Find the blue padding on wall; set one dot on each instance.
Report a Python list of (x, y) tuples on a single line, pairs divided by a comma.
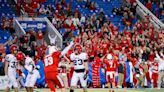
[(41, 80)]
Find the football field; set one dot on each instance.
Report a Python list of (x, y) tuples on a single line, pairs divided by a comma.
[(99, 90), (115, 90), (107, 90)]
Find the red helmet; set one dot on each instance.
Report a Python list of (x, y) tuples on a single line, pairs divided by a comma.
[(13, 47), (20, 56), (36, 57), (78, 48)]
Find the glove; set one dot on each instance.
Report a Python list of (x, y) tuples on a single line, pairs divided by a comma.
[(85, 75)]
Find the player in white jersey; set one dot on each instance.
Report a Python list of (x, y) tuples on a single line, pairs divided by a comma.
[(33, 74), (11, 64), (79, 62)]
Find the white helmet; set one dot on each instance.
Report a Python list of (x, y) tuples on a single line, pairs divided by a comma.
[(109, 56), (52, 49)]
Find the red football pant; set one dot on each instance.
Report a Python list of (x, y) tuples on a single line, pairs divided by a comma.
[(53, 79), (155, 79)]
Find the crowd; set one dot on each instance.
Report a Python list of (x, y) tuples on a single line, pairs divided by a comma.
[(99, 36), (156, 7), (32, 43), (128, 12), (142, 46)]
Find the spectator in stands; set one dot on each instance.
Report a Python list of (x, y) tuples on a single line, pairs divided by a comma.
[(42, 10), (68, 9), (149, 5), (75, 20), (82, 19), (24, 39), (97, 24), (40, 50), (54, 20), (162, 16), (2, 56), (133, 9), (68, 21), (93, 6), (58, 6), (63, 2), (88, 3), (28, 1), (40, 37), (7, 24), (77, 12), (50, 8), (32, 36), (132, 2), (161, 5), (48, 11), (2, 49), (23, 47), (101, 15)]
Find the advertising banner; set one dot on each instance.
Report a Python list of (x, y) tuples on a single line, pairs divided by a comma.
[(34, 25)]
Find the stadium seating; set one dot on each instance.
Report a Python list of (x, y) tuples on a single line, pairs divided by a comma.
[(6, 13), (6, 9), (4, 35), (107, 6)]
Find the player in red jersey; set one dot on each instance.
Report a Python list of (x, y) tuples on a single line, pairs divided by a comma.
[(111, 66), (51, 62), (155, 72)]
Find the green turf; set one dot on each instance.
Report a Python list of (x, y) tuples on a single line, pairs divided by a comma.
[(115, 90), (100, 90)]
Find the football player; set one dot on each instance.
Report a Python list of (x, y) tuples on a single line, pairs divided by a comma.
[(111, 66), (51, 62), (11, 64), (79, 62), (33, 73)]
